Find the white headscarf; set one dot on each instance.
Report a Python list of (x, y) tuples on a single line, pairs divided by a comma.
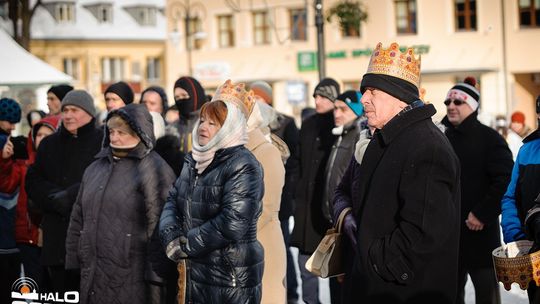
[(232, 133)]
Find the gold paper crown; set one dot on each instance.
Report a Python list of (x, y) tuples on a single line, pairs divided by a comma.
[(237, 94), (393, 62)]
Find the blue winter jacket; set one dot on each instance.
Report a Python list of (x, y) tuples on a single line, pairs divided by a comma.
[(523, 188)]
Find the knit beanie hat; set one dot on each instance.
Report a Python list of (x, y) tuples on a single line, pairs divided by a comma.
[(123, 90), (397, 87), (161, 92), (60, 90), (263, 90), (467, 92), (328, 88), (10, 110), (196, 99), (352, 99), (518, 117), (81, 99)]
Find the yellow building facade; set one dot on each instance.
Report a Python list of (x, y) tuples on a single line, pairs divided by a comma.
[(258, 40)]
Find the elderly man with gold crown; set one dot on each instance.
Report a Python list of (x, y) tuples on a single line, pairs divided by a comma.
[(405, 194)]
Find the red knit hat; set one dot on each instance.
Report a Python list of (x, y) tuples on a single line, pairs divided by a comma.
[(518, 117)]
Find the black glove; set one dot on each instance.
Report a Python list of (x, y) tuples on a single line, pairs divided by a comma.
[(61, 202)]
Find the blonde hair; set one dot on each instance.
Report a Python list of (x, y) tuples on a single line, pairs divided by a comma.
[(117, 122)]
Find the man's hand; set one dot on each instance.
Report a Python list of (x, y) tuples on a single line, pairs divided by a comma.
[(174, 251), (473, 223), (8, 150)]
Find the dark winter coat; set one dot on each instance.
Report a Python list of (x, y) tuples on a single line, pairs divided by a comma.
[(486, 165), (316, 140), (340, 157), (217, 211), (60, 163), (113, 220), (405, 197)]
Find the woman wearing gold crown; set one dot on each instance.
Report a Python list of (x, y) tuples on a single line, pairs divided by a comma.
[(209, 221), (405, 194)]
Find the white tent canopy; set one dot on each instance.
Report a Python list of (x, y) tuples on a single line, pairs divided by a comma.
[(19, 67)]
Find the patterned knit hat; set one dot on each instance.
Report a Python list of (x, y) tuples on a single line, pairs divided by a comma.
[(10, 110), (328, 88), (467, 92)]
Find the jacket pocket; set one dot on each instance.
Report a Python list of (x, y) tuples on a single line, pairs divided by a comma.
[(401, 271)]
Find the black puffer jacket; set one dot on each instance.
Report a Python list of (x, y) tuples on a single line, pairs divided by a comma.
[(217, 212), (114, 218)]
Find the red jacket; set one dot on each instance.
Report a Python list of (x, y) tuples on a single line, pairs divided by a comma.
[(12, 179)]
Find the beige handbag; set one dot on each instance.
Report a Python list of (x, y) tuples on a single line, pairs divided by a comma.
[(326, 261)]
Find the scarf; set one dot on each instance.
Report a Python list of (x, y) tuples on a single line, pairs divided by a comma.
[(232, 133)]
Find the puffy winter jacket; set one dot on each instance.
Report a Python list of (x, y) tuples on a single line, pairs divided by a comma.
[(217, 211), (114, 218)]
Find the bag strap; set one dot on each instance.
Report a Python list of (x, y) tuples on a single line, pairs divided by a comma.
[(342, 217)]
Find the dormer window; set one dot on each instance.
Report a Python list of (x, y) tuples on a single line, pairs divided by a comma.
[(102, 11), (64, 12), (144, 15)]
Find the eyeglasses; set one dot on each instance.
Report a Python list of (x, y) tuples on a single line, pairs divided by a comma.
[(457, 102)]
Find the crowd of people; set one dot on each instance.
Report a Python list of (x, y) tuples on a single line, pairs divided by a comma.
[(191, 202)]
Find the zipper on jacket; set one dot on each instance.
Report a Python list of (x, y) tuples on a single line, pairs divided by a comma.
[(233, 273)]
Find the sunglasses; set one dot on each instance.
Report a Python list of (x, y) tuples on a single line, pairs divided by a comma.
[(457, 102)]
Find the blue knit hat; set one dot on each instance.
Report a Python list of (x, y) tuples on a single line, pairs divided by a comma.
[(352, 99), (10, 110)]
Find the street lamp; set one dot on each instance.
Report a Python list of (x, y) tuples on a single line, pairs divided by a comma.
[(188, 12), (319, 22)]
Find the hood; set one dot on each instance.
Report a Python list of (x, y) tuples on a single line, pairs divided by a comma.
[(50, 121), (139, 120), (196, 92)]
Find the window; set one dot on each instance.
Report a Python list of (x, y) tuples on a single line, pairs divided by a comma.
[(298, 24), (226, 31), (104, 13), (261, 28), (195, 26), (71, 67), (406, 16), (529, 13), (144, 15), (465, 15), (112, 69), (153, 68), (147, 16), (64, 12), (4, 10)]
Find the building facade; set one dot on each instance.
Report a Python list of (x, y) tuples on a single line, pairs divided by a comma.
[(276, 41), (99, 42)]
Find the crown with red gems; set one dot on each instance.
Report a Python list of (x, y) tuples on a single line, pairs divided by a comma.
[(237, 94), (393, 62)]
